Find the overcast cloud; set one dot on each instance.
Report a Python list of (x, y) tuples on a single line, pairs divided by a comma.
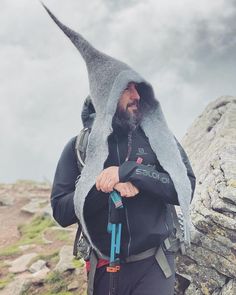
[(185, 48)]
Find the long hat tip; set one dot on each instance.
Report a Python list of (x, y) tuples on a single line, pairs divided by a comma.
[(49, 12), (85, 48), (43, 4)]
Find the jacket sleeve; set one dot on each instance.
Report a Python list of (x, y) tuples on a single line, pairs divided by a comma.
[(158, 183), (63, 188), (62, 195)]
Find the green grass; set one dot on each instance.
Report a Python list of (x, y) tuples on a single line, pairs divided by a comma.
[(32, 232), (54, 283), (43, 204), (5, 281), (61, 235), (78, 263), (57, 282), (48, 257), (53, 277), (10, 251)]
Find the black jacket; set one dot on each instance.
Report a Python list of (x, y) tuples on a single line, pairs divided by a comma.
[(143, 220)]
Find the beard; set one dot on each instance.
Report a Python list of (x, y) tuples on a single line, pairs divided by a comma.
[(125, 120)]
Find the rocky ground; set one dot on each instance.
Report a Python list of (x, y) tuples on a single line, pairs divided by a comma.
[(35, 252)]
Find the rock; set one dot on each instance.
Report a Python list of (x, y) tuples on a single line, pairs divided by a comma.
[(229, 288), (73, 286), (37, 266), (81, 272), (66, 257), (6, 200), (34, 206), (193, 290), (211, 146), (225, 265), (40, 275), (17, 287), (47, 210), (24, 280), (81, 277), (20, 264), (202, 276)]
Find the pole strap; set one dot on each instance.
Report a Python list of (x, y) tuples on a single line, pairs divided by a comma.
[(93, 265)]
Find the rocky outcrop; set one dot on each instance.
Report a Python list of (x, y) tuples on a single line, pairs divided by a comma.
[(210, 266)]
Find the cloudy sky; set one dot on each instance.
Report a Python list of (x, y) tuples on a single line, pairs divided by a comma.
[(185, 48)]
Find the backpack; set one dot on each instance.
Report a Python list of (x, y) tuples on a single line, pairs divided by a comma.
[(174, 220)]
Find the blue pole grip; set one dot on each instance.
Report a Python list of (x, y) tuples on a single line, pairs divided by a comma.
[(118, 238), (113, 240), (115, 228), (116, 198)]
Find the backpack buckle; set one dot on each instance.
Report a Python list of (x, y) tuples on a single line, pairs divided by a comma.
[(171, 244), (83, 249)]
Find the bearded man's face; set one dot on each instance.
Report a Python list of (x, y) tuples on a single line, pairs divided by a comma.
[(128, 114), (129, 99)]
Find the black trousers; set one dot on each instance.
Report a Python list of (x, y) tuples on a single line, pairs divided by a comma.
[(143, 277)]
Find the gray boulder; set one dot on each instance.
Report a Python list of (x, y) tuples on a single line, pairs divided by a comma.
[(37, 266), (210, 264), (21, 263), (66, 257), (34, 206)]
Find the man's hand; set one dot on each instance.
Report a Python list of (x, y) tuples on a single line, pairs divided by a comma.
[(107, 179), (126, 189)]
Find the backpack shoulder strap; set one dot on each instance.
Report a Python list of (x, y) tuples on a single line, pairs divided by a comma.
[(178, 224), (80, 149), (175, 224), (81, 146), (77, 237)]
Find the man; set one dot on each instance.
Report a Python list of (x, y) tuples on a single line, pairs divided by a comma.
[(127, 117), (130, 150)]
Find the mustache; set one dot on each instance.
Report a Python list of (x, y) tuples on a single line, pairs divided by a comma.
[(136, 103)]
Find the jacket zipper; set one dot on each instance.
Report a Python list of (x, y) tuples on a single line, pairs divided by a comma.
[(126, 211)]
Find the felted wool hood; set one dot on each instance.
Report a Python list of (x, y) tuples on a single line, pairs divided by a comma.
[(108, 77)]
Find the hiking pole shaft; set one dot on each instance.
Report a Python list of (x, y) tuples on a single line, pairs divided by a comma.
[(114, 228)]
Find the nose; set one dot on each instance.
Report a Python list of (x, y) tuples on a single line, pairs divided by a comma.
[(134, 93)]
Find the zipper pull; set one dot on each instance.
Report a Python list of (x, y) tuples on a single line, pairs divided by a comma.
[(129, 145)]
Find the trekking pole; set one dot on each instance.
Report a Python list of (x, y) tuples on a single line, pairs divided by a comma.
[(114, 228)]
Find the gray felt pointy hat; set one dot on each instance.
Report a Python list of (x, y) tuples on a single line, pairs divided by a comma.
[(108, 77)]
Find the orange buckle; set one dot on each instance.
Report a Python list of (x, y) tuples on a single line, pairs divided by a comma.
[(113, 268)]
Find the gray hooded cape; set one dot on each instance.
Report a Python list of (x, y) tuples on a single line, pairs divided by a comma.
[(108, 77)]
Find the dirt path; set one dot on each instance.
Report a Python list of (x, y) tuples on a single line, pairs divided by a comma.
[(11, 215)]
